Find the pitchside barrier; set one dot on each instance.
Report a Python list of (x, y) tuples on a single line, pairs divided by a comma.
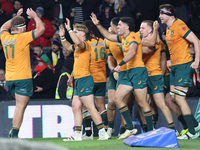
[(54, 118)]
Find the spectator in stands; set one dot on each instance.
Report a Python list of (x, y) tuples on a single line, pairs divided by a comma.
[(54, 55), (106, 13), (63, 90), (57, 9), (81, 10), (37, 50), (4, 91), (17, 5), (2, 58), (43, 79), (7, 6), (126, 9), (45, 39)]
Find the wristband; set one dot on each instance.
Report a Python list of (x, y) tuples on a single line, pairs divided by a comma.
[(63, 39), (113, 71), (121, 63), (69, 29)]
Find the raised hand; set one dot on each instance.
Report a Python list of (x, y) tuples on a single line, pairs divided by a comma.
[(156, 25), (67, 25), (94, 19), (31, 14), (19, 12), (61, 31)]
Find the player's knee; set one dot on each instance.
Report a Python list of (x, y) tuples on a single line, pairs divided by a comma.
[(111, 104), (75, 108)]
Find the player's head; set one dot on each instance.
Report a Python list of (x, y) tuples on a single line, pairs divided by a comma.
[(113, 24), (81, 31), (166, 11), (18, 23), (146, 27), (125, 24), (94, 32)]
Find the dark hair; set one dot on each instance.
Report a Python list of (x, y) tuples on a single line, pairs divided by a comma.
[(16, 22), (18, 1), (115, 20), (129, 21), (169, 7), (149, 23), (92, 29), (38, 46)]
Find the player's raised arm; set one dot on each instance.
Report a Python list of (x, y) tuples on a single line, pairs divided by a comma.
[(152, 41), (104, 32), (73, 36), (65, 43), (7, 24), (39, 24)]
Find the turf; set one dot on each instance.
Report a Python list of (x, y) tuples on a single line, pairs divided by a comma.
[(112, 144)]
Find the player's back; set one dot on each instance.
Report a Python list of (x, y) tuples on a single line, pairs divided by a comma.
[(17, 52), (98, 60)]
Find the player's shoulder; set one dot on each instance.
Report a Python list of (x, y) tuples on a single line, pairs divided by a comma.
[(134, 35), (179, 22)]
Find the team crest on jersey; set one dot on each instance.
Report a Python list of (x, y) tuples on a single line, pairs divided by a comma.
[(183, 28), (172, 32), (126, 42), (133, 37)]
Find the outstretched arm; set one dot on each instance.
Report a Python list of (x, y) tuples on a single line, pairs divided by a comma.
[(104, 32), (65, 43), (73, 36)]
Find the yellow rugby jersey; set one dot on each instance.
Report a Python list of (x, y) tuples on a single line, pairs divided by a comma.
[(152, 60), (132, 37), (17, 52), (115, 50), (81, 66), (177, 44), (98, 60)]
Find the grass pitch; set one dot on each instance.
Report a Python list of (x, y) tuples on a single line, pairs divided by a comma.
[(112, 144)]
